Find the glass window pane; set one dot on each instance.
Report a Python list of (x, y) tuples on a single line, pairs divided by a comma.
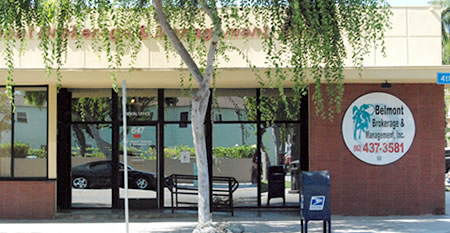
[(177, 105), (274, 108), (178, 141), (91, 105), (142, 105), (234, 147), (234, 105), (142, 172), (91, 165), (30, 132), (281, 150), (5, 134)]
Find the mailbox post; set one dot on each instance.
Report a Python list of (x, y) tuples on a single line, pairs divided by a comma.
[(315, 199)]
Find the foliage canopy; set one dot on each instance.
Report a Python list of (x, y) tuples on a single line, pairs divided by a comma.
[(300, 34)]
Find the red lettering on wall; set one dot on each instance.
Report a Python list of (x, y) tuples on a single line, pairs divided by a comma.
[(142, 32), (204, 34), (86, 33)]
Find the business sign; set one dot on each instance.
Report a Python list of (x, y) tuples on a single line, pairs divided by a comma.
[(137, 140), (443, 78), (378, 128)]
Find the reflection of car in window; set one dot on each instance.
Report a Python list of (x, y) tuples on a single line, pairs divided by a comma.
[(98, 175), (447, 179), (447, 159)]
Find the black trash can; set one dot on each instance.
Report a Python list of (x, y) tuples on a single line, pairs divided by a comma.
[(295, 173), (276, 183), (315, 203)]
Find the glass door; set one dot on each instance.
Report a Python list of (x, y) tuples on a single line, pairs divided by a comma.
[(91, 166), (142, 169), (280, 165)]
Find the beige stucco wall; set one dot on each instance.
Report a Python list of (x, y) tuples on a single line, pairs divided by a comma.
[(413, 43)]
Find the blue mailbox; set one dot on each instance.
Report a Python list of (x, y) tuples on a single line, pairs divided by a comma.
[(315, 201)]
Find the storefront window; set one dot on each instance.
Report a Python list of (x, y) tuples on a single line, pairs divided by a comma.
[(91, 165), (274, 108), (233, 105), (30, 149), (179, 158), (91, 105), (5, 134), (28, 157), (142, 105), (234, 142), (234, 155), (177, 106), (141, 159), (280, 153)]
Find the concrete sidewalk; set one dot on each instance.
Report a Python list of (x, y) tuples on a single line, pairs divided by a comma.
[(280, 221), (269, 222)]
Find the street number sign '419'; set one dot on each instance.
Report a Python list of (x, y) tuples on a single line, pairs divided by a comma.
[(443, 78)]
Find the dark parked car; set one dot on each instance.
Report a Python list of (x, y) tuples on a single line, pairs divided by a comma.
[(98, 175), (447, 160)]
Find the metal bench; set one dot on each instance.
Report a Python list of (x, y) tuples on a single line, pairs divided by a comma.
[(222, 191)]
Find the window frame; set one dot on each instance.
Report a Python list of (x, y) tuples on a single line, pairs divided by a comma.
[(184, 122), (23, 118)]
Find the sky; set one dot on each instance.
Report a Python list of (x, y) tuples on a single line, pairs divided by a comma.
[(408, 2)]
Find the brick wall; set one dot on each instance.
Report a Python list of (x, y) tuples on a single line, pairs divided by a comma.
[(411, 185), (27, 199)]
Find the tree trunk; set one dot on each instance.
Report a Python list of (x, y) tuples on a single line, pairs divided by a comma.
[(199, 107), (199, 99), (278, 144), (81, 140), (102, 145)]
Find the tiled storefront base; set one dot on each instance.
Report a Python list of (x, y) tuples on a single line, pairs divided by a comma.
[(27, 199)]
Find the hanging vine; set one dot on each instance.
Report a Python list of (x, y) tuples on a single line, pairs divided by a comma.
[(305, 41)]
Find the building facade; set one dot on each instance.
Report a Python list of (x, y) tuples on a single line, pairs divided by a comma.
[(396, 171)]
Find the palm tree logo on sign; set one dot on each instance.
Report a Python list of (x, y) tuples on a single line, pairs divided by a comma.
[(361, 119)]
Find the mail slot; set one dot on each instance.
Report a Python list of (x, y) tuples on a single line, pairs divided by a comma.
[(315, 199)]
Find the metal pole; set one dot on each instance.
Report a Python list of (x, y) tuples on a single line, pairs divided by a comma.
[(125, 161)]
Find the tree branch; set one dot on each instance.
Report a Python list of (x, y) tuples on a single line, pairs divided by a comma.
[(217, 24), (176, 43)]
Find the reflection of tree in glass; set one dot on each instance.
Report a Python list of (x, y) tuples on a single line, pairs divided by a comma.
[(36, 98), (5, 113), (98, 109), (274, 108), (91, 110), (140, 105)]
